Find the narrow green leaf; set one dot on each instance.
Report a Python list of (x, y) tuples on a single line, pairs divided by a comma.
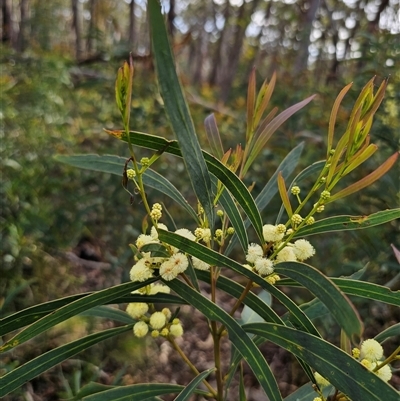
[(328, 293), (115, 165), (231, 181), (89, 389), (242, 387), (72, 309), (213, 136), (392, 331), (135, 392), (307, 393), (342, 223), (343, 371), (17, 377), (191, 387), (367, 180), (240, 340), (178, 111), (358, 288), (235, 218), (298, 318), (27, 316), (107, 312)]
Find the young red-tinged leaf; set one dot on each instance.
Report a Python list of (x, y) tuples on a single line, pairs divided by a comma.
[(263, 98), (213, 136), (284, 195), (271, 128), (332, 119), (366, 181), (251, 98)]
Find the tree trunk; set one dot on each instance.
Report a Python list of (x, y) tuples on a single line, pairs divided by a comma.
[(216, 61), (235, 50), (22, 40), (171, 18), (306, 26), (77, 25), (91, 40), (132, 26), (7, 31)]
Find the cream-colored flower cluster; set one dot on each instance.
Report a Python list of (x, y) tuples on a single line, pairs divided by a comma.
[(170, 266), (370, 354), (158, 322), (262, 261)]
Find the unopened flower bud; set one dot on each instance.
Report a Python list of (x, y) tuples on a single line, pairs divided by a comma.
[(310, 220), (296, 219), (295, 190), (131, 174), (230, 231), (325, 195)]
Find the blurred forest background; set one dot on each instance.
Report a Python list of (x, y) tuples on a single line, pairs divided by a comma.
[(65, 230)]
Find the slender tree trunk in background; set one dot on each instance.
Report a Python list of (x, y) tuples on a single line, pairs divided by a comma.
[(306, 26), (216, 61), (91, 40), (235, 50), (22, 40), (373, 27), (171, 18), (131, 33), (7, 31), (77, 25), (260, 54)]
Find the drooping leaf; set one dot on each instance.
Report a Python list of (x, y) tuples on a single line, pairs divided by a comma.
[(358, 288), (27, 316), (342, 223), (284, 195), (392, 331), (178, 112), (17, 377), (342, 370), (72, 309), (115, 164), (328, 293)]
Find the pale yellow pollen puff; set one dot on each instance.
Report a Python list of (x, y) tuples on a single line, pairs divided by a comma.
[(157, 320), (140, 329), (144, 239), (385, 373), (199, 264), (137, 309), (254, 251), (176, 330), (264, 266), (286, 255), (371, 350), (303, 249), (140, 271), (167, 312)]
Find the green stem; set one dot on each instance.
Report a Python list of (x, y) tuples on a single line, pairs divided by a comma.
[(193, 368)]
